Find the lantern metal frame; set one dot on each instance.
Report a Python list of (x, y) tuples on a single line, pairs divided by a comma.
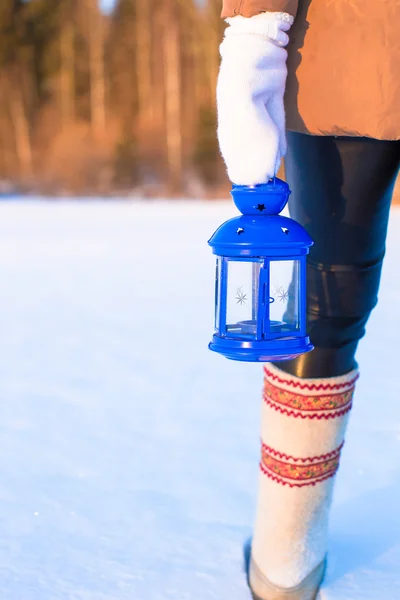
[(255, 236)]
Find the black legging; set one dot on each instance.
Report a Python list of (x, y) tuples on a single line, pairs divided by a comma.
[(341, 193)]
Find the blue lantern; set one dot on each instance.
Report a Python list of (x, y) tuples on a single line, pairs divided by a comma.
[(260, 286)]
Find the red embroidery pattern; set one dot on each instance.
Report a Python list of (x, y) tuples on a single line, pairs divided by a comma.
[(298, 415), (311, 386), (320, 406), (310, 459), (289, 483), (299, 471)]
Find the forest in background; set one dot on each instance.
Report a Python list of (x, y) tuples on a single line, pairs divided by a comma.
[(118, 103)]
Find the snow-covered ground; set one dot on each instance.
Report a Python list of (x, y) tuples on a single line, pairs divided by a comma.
[(129, 452)]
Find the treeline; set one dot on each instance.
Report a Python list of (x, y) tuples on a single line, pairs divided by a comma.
[(94, 103)]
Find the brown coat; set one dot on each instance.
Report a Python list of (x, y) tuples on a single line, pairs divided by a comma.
[(343, 64)]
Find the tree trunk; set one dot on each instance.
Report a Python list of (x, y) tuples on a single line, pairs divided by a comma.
[(143, 36), (173, 97), (19, 118), (67, 73), (96, 69), (215, 32)]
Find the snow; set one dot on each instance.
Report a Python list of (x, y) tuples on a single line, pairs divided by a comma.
[(129, 452)]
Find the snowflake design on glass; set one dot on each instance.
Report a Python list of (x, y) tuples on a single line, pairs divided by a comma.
[(281, 293), (241, 297)]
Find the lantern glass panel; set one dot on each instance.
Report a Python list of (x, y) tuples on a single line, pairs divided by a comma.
[(284, 304), (242, 297)]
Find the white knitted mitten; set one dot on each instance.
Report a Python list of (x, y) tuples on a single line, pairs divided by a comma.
[(250, 90), (303, 427)]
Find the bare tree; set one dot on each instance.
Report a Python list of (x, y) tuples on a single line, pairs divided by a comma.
[(67, 62), (172, 84), (15, 61), (144, 38), (20, 122), (213, 29), (95, 37)]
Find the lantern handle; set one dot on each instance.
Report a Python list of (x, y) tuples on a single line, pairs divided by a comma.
[(261, 199)]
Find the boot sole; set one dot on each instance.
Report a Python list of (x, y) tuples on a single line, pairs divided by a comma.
[(306, 590)]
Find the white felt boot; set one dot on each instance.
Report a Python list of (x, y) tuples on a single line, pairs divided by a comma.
[(303, 427)]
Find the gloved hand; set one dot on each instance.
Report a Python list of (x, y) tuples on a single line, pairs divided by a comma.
[(250, 90)]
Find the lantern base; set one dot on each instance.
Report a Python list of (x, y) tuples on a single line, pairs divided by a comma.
[(261, 351)]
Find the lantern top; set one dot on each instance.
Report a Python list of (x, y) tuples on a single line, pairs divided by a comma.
[(251, 236), (261, 199), (260, 230)]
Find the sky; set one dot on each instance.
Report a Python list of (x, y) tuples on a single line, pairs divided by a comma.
[(107, 5)]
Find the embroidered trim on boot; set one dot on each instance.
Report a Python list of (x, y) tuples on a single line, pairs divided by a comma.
[(294, 398), (298, 472)]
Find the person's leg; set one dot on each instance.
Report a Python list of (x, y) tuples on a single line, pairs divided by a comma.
[(341, 192)]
